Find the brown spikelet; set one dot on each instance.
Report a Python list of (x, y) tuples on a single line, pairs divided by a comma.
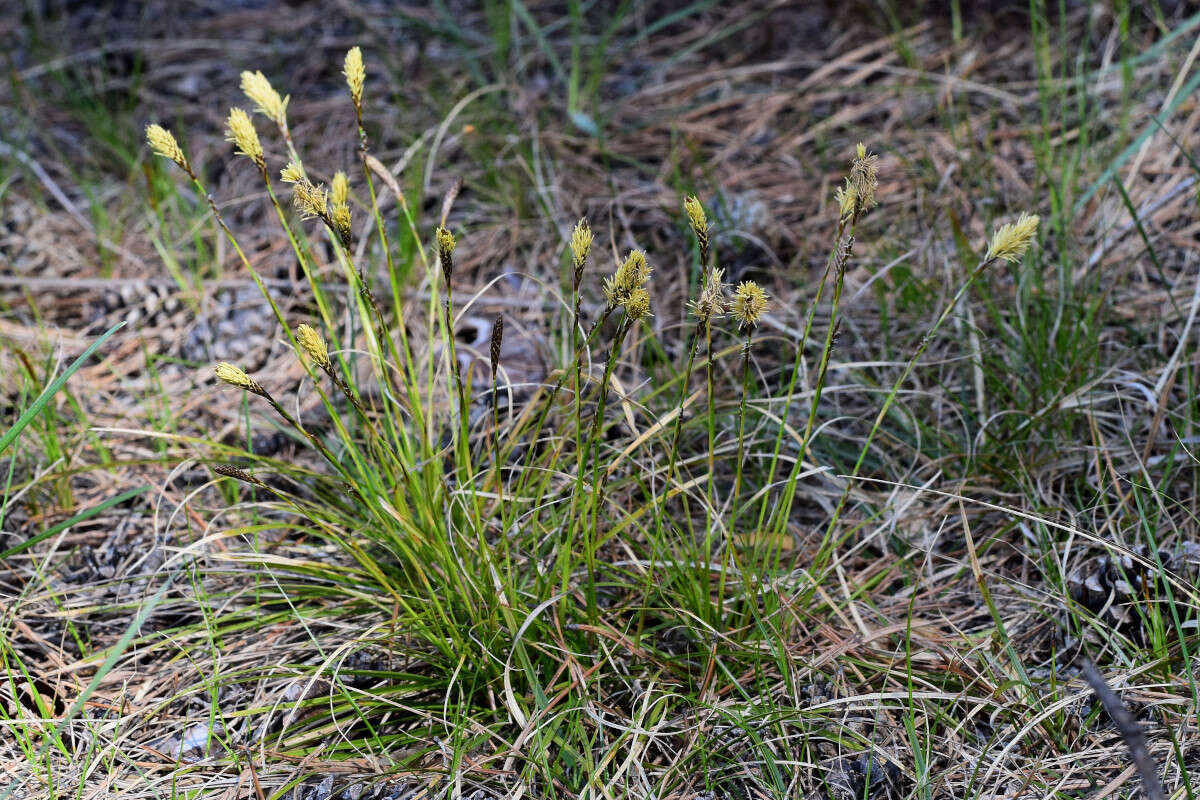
[(497, 338), (451, 196), (239, 474)]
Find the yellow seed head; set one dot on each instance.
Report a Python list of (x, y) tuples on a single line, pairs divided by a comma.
[(355, 74), (697, 219), (749, 303), (864, 178), (1011, 240), (341, 220), (313, 344), (445, 242), (266, 100), (291, 173), (711, 302), (164, 144), (241, 133), (638, 304), (339, 188), (311, 201), (581, 243), (235, 377), (845, 197), (632, 274)]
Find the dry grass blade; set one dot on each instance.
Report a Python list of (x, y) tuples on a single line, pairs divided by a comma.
[(1131, 732)]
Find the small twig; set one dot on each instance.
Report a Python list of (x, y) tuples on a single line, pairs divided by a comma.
[(1131, 732)]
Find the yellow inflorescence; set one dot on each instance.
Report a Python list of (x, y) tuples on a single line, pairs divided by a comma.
[(234, 376), (163, 143), (266, 100), (632, 274), (1011, 241), (311, 200), (356, 74), (697, 218), (581, 243), (313, 344), (241, 133), (749, 303), (339, 188), (638, 304), (291, 173), (711, 302)]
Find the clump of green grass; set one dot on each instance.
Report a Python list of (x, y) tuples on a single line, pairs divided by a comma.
[(527, 573)]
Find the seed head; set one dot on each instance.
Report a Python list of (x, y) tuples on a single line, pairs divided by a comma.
[(355, 74), (864, 178), (497, 339), (314, 345), (446, 245), (698, 221), (638, 304), (310, 200), (581, 244), (339, 188), (632, 274), (235, 377), (241, 133), (846, 198), (238, 474), (291, 173), (1011, 240), (341, 221), (711, 302), (164, 144), (266, 100), (749, 303)]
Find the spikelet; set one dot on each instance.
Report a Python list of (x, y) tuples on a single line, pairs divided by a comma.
[(710, 304), (291, 173), (339, 188), (445, 246), (241, 133), (266, 100), (864, 178), (314, 345), (163, 143), (239, 474), (846, 198), (581, 245), (341, 221), (1011, 240), (356, 75), (699, 222), (497, 340), (638, 304), (749, 303), (234, 376), (632, 274), (310, 200)]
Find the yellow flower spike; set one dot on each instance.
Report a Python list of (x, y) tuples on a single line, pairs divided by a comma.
[(314, 345), (339, 188), (446, 245), (234, 376), (341, 220), (266, 100), (698, 220), (291, 173), (311, 201), (749, 303), (163, 143), (581, 243), (864, 178), (711, 302), (845, 197), (1010, 241), (632, 274), (241, 133), (356, 74), (638, 304)]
